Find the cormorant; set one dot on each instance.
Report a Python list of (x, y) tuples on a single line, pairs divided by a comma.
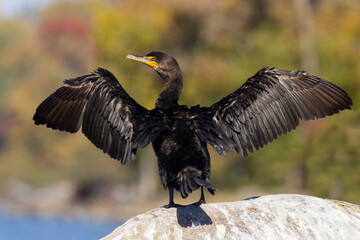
[(269, 104)]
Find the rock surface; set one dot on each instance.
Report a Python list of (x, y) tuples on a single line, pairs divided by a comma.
[(284, 216)]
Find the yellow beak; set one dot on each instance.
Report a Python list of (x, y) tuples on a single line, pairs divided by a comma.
[(147, 60)]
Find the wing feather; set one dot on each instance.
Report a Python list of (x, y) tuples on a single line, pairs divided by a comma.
[(110, 118), (269, 104)]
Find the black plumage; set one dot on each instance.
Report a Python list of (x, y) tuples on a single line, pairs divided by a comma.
[(269, 104)]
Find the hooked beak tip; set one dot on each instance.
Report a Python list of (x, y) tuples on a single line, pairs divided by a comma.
[(129, 56)]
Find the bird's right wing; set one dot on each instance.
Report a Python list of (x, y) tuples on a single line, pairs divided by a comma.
[(268, 105), (110, 118)]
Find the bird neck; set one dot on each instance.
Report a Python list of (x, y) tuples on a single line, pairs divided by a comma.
[(171, 92)]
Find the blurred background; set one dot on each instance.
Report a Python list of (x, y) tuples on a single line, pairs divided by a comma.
[(218, 44)]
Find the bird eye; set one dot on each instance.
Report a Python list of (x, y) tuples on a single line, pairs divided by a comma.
[(153, 59)]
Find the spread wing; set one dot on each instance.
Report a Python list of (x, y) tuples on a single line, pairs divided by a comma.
[(268, 105), (110, 118)]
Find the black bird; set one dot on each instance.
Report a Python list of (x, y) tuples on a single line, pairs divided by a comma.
[(269, 104)]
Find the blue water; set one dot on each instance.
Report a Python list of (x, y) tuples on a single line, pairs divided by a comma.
[(31, 227)]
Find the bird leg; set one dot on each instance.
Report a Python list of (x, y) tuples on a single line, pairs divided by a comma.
[(202, 198), (171, 199)]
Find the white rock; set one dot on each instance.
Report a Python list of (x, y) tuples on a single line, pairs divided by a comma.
[(284, 216)]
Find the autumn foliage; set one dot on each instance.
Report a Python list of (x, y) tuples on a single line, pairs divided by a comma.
[(218, 44)]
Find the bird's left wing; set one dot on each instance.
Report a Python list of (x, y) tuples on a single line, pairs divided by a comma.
[(268, 105), (110, 118)]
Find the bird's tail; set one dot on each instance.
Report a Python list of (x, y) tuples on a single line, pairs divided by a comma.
[(190, 179)]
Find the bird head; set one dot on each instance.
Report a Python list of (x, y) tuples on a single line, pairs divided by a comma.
[(161, 62)]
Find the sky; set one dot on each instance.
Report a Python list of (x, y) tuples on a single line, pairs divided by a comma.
[(12, 8)]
